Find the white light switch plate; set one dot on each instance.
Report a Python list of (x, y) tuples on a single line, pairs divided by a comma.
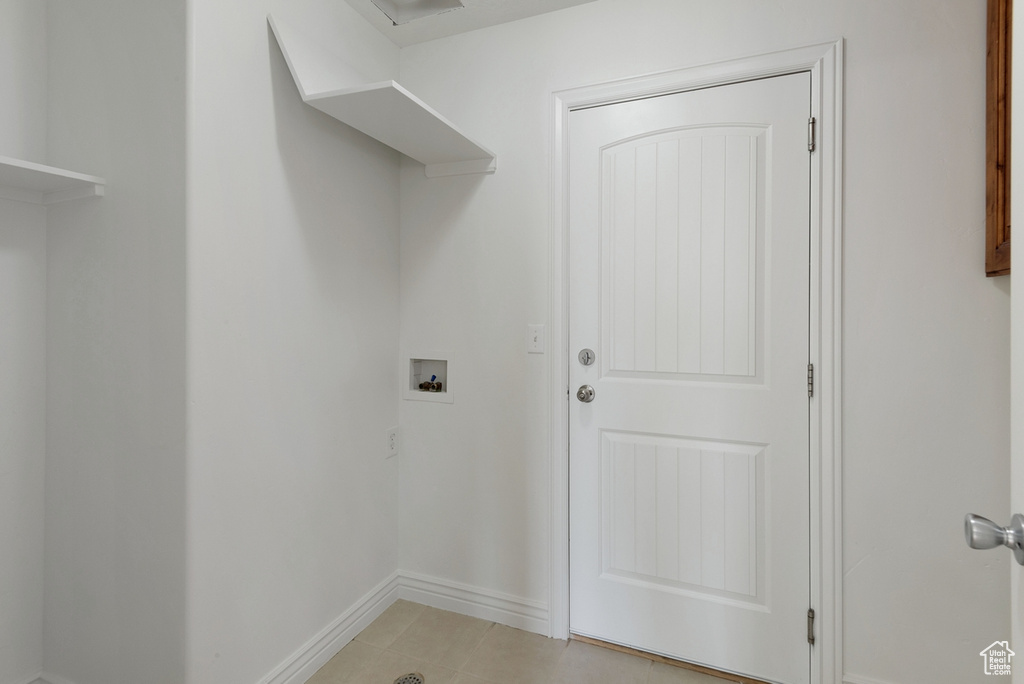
[(536, 339)]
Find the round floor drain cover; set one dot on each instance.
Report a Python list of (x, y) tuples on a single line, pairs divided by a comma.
[(414, 678)]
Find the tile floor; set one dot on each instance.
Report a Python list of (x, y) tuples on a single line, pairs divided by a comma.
[(448, 648)]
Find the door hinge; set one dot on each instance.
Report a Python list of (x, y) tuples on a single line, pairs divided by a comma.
[(810, 134), (810, 380), (810, 626)]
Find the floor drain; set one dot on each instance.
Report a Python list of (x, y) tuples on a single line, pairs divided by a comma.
[(414, 678)]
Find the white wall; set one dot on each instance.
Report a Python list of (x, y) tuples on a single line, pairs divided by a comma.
[(926, 347), (115, 475), (292, 335), (22, 339), (22, 436), (252, 308), (23, 76), (1016, 481)]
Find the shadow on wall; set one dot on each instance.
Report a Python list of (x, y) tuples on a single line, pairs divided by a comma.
[(342, 187)]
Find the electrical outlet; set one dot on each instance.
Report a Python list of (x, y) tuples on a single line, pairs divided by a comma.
[(392, 441)]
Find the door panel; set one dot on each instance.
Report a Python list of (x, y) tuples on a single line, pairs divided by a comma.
[(681, 250), (681, 264), (689, 478), (683, 515)]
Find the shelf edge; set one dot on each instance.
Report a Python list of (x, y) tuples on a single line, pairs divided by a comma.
[(76, 193), (74, 185), (310, 58), (486, 163), (462, 168), (50, 170)]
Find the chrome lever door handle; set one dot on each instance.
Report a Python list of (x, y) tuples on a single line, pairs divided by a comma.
[(982, 533)]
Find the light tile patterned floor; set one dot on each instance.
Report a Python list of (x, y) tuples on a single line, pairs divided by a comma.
[(448, 648)]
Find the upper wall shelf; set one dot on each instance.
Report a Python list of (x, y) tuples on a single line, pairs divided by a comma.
[(385, 111), (25, 181)]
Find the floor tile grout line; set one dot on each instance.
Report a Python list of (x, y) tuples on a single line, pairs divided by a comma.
[(558, 663), (476, 648), (419, 614)]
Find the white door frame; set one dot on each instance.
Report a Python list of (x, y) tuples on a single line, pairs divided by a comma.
[(825, 64)]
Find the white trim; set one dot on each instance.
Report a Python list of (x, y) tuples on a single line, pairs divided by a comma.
[(825, 64), (311, 656), (495, 606), (490, 605)]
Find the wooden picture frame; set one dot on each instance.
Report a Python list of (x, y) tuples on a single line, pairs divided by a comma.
[(997, 148)]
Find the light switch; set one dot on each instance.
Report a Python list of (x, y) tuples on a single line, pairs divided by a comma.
[(536, 339)]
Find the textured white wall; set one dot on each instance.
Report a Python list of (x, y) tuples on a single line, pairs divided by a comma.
[(292, 337), (22, 436), (115, 475), (23, 341), (926, 394), (23, 77)]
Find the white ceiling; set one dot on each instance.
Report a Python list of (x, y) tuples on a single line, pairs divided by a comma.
[(476, 14)]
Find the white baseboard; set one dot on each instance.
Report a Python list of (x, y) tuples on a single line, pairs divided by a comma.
[(302, 664), (435, 592), (514, 611), (429, 591)]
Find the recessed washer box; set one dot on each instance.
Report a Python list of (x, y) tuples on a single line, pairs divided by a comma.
[(429, 368)]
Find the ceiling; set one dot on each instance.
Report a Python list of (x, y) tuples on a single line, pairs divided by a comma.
[(474, 15)]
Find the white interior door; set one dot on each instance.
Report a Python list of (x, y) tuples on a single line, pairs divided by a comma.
[(688, 253)]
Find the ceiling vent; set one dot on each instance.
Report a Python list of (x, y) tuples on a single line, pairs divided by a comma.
[(404, 11)]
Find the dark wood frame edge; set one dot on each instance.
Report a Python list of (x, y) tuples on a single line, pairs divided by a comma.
[(997, 147)]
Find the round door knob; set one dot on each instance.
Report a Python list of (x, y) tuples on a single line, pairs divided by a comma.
[(585, 394), (982, 533)]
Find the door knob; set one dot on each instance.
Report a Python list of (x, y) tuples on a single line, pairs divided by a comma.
[(982, 533), (585, 394)]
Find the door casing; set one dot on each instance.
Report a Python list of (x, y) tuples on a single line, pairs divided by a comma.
[(824, 62)]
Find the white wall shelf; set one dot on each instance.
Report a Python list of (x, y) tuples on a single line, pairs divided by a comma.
[(25, 181), (384, 111)]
